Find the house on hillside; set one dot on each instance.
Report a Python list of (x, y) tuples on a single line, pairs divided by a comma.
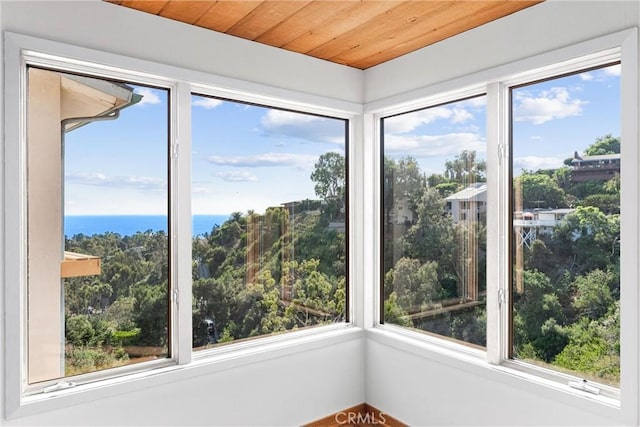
[(467, 205), (598, 168)]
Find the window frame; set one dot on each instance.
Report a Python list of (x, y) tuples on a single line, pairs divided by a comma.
[(496, 83), (21, 51)]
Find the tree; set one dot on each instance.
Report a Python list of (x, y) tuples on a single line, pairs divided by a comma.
[(465, 168), (539, 190), (604, 145), (593, 297), (329, 176), (415, 285)]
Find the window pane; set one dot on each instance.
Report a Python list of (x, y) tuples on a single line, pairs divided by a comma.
[(97, 224), (269, 200), (566, 223), (434, 220)]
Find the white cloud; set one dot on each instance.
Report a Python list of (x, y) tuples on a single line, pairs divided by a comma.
[(585, 77), (207, 103), (149, 96), (459, 113), (102, 180), (434, 145), (237, 176), (278, 118), (533, 163), (199, 190), (407, 122), (613, 71), (289, 124), (536, 137), (555, 103), (266, 160)]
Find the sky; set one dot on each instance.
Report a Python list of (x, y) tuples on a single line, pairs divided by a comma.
[(247, 157), (244, 157), (551, 120)]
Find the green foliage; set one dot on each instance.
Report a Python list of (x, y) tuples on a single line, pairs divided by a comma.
[(393, 313), (329, 176), (465, 168), (593, 294), (539, 191), (604, 145)]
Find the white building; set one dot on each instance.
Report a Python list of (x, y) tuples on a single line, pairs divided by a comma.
[(467, 205)]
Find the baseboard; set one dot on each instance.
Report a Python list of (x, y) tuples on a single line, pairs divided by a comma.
[(358, 416)]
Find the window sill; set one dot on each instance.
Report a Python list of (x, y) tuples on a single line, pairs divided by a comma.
[(210, 361), (458, 356)]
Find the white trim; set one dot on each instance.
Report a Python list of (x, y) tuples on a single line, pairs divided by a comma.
[(181, 232), (496, 83), (629, 226), (20, 50)]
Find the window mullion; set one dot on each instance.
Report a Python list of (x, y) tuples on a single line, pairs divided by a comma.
[(497, 219), (181, 221)]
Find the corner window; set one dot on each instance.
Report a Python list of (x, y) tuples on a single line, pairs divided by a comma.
[(566, 152), (434, 252), (269, 201), (97, 224)]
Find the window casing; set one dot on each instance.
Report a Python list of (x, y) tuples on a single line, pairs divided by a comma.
[(497, 83), (22, 397)]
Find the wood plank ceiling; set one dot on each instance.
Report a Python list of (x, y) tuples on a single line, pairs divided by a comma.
[(357, 33)]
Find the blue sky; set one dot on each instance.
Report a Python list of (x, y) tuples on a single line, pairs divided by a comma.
[(249, 158), (551, 120), (244, 158)]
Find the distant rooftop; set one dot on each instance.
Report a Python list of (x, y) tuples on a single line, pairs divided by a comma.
[(469, 193)]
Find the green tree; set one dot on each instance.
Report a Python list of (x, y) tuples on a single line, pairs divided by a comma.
[(465, 168), (329, 176), (604, 145), (539, 191), (593, 294)]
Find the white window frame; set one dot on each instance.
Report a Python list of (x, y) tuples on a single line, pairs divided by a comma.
[(622, 403), (21, 51)]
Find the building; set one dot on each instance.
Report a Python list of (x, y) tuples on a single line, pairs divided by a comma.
[(298, 381), (467, 205), (529, 224), (594, 168)]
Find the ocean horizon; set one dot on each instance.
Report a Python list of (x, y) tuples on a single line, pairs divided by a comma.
[(128, 225)]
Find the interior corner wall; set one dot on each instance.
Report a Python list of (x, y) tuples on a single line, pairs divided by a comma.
[(416, 388)]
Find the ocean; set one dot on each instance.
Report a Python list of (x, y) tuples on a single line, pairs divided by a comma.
[(127, 225)]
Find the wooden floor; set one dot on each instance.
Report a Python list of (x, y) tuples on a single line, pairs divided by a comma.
[(362, 415)]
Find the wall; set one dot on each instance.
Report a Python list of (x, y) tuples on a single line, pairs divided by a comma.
[(418, 387), (289, 387)]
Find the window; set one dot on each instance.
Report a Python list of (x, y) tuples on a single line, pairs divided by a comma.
[(118, 266), (269, 224), (556, 264), (434, 263), (98, 224), (566, 265)]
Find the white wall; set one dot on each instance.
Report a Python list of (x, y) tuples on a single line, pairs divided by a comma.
[(284, 391), (423, 390), (418, 387)]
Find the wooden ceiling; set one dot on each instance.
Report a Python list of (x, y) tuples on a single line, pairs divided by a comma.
[(357, 33)]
